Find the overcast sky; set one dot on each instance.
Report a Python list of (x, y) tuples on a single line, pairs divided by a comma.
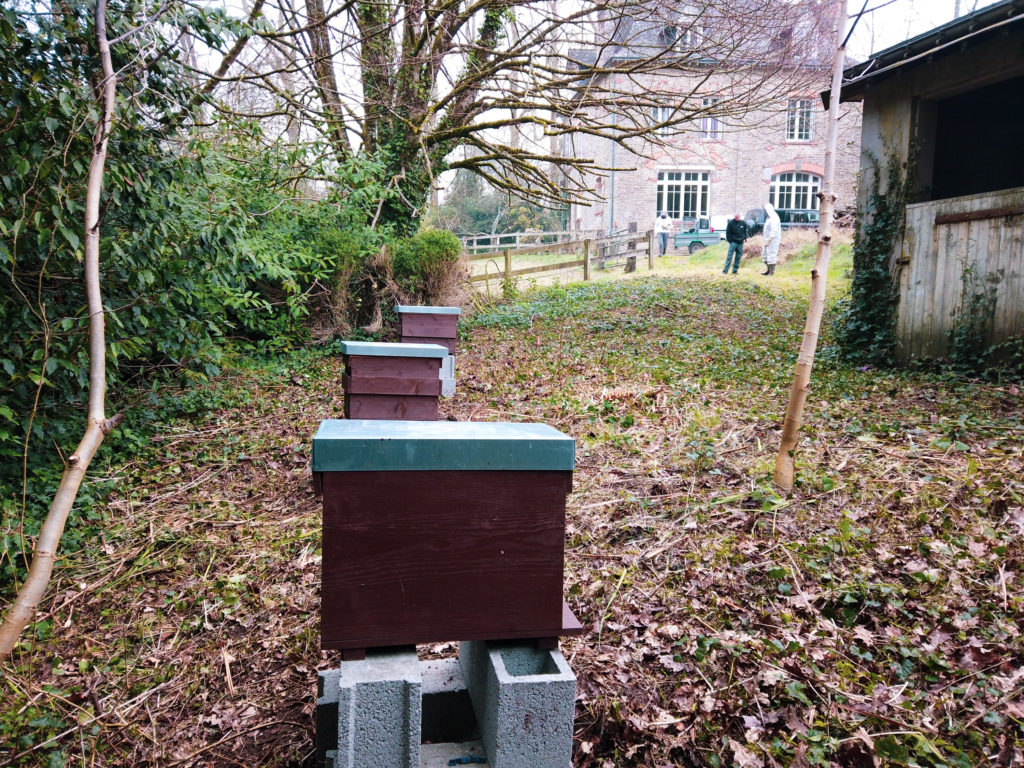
[(901, 20)]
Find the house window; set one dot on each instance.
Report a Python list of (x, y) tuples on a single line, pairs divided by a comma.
[(659, 116), (798, 120), (710, 127), (683, 194), (794, 190), (671, 35)]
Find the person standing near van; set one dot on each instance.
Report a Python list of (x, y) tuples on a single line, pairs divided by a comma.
[(662, 226), (772, 239), (735, 233)]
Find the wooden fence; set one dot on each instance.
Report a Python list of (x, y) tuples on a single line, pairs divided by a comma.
[(957, 248), (484, 243), (588, 254)]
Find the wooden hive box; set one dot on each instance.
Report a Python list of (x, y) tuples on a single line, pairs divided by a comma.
[(439, 530), (429, 325), (392, 381)]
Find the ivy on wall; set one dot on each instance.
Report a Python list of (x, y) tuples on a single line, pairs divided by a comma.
[(972, 324), (866, 324)]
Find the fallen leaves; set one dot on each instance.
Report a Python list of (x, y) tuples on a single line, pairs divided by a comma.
[(872, 617)]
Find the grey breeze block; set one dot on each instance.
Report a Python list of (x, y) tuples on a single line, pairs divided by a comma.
[(524, 699), (447, 375), (448, 725), (377, 706)]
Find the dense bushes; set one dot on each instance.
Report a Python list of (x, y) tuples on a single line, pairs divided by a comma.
[(162, 236), (210, 241), (426, 264)]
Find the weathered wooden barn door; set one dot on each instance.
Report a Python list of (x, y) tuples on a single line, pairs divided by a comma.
[(960, 253)]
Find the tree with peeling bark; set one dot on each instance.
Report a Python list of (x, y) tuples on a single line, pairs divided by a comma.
[(504, 87), (59, 76), (98, 425), (785, 466)]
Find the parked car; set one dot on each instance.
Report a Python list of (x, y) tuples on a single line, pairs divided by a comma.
[(697, 233), (791, 218)]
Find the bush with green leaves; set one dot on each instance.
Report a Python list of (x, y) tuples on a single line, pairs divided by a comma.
[(301, 250), (426, 264), (207, 240), (162, 235)]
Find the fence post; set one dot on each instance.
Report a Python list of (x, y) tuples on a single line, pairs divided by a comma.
[(650, 248), (586, 261), (508, 265)]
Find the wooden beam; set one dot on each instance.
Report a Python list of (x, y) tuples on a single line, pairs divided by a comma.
[(990, 213)]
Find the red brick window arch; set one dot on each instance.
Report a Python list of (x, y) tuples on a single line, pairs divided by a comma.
[(794, 190)]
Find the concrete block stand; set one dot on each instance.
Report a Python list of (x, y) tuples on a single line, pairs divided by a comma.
[(506, 701), (524, 700), (376, 707), (448, 376)]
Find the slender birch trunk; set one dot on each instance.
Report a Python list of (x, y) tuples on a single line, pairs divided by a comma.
[(784, 462), (98, 426)]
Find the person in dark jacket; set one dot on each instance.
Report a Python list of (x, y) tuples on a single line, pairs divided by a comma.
[(735, 233)]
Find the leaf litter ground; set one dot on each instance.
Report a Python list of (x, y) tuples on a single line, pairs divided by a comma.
[(872, 617)]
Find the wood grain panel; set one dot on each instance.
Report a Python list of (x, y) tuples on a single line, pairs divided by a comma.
[(391, 385), (982, 232), (416, 557), (405, 367), (437, 326), (391, 407)]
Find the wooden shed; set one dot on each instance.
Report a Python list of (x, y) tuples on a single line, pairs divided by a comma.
[(947, 106)]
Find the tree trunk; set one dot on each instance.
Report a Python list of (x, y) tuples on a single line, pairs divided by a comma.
[(98, 426), (323, 73), (784, 462)]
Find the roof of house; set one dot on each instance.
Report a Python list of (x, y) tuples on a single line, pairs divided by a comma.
[(678, 32), (967, 30)]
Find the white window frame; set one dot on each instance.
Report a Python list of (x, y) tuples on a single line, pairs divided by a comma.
[(710, 125), (788, 189), (799, 119), (683, 194), (661, 115)]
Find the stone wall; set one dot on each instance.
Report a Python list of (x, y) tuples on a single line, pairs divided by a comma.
[(752, 148)]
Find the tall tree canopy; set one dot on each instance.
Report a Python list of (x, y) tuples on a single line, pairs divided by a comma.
[(500, 86)]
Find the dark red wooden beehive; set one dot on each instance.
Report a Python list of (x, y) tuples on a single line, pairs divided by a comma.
[(436, 531), (392, 381), (429, 325)]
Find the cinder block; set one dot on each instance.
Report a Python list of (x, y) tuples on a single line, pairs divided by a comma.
[(524, 700), (377, 706), (448, 376), (447, 711), (326, 716), (438, 755)]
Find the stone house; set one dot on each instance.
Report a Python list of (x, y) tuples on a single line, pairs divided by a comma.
[(945, 107), (729, 159)]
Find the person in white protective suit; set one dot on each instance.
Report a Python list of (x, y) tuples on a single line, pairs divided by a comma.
[(772, 237), (662, 227)]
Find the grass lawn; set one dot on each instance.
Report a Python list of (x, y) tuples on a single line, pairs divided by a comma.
[(874, 613)]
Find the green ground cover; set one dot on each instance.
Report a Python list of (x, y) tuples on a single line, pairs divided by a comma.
[(872, 615)]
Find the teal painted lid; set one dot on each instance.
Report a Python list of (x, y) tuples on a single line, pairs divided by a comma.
[(383, 349), (370, 445), (408, 309)]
